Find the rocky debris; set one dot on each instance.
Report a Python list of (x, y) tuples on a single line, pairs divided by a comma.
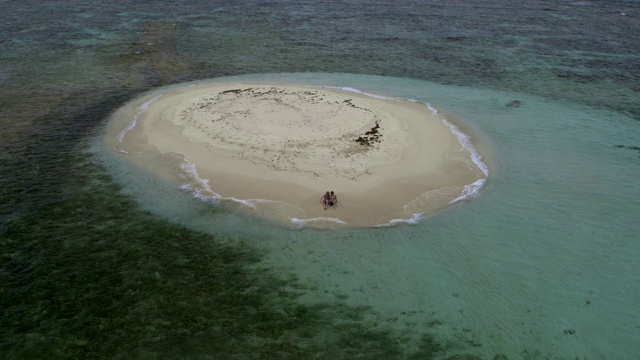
[(370, 137), (350, 103), (233, 91)]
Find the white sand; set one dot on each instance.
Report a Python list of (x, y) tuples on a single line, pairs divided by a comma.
[(385, 159)]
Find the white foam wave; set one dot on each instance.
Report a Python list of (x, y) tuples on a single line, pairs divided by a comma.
[(201, 190), (415, 218), (469, 190), (196, 185), (375, 96), (139, 110), (247, 203), (302, 222)]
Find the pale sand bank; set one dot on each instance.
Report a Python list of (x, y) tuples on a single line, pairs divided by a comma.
[(386, 159)]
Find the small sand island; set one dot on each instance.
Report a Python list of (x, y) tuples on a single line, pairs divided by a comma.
[(273, 151)]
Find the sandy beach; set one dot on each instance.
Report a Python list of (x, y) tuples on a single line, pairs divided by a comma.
[(273, 151)]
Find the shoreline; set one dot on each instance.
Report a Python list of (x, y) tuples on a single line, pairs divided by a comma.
[(273, 150)]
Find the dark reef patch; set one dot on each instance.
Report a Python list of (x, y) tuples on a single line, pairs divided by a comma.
[(88, 274), (628, 147), (514, 103)]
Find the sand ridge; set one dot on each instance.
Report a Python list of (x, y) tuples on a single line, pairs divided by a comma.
[(289, 144)]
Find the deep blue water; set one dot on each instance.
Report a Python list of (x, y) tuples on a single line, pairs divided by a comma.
[(100, 260)]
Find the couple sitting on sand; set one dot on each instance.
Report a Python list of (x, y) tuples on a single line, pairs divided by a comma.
[(329, 199)]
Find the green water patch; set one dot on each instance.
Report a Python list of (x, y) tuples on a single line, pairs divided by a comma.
[(90, 275), (38, 158)]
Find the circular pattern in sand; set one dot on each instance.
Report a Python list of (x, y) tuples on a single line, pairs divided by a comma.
[(281, 127)]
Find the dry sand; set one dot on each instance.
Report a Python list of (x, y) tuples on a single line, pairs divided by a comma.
[(279, 148)]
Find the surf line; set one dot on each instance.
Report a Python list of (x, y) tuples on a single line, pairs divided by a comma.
[(465, 141), (139, 111)]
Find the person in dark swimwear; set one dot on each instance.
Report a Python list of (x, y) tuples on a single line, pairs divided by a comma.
[(334, 199)]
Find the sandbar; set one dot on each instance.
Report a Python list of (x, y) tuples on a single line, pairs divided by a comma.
[(273, 150)]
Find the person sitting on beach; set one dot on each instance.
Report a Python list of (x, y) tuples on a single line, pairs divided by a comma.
[(334, 199), (326, 199)]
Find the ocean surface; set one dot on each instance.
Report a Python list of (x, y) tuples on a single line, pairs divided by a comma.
[(101, 260)]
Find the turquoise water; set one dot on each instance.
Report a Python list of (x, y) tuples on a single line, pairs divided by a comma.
[(100, 260)]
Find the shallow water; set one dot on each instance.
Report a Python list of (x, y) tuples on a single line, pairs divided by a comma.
[(100, 260)]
